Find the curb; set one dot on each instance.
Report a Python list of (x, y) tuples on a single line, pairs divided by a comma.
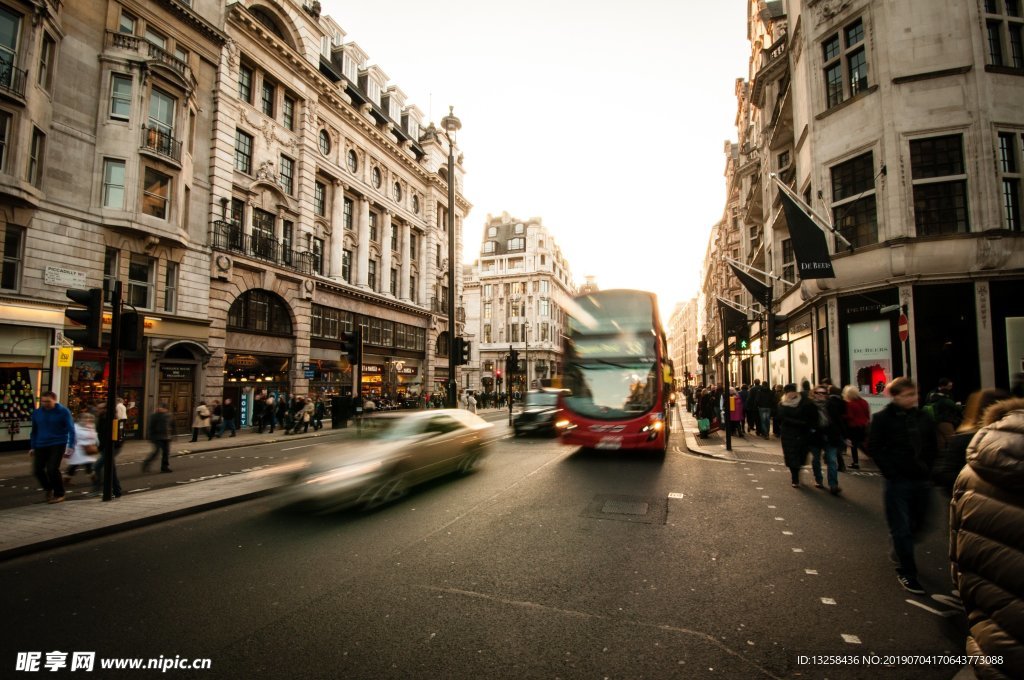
[(118, 527)]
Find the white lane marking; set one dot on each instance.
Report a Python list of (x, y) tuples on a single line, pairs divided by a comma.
[(754, 480), (787, 533), (772, 507), (811, 572), (305, 446), (851, 639), (675, 495), (135, 490), (948, 600), (765, 496), (798, 550), (827, 600), (944, 614), (780, 519), (760, 488)]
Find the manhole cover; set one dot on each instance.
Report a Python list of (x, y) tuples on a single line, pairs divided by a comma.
[(625, 507), (622, 508)]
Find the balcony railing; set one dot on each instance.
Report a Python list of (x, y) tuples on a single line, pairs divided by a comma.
[(147, 50), (12, 79), (232, 238), (155, 139), (438, 306)]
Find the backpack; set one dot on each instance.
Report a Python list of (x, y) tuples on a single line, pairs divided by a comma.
[(929, 409)]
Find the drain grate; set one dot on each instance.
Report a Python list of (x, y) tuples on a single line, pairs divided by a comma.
[(621, 508)]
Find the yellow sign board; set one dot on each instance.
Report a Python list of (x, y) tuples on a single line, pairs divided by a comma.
[(65, 355)]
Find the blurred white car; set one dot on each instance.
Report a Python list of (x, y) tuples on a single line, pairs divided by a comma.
[(400, 452)]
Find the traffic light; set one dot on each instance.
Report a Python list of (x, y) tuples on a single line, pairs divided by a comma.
[(513, 361), (702, 352), (352, 346), (91, 317), (776, 327), (497, 376), (465, 351), (133, 331)]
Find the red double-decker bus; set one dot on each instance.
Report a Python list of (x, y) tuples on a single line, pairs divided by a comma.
[(617, 373)]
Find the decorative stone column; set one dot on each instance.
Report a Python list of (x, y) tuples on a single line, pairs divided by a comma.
[(337, 230), (385, 258), (363, 249), (406, 271)]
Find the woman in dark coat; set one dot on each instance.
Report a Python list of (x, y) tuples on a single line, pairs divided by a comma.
[(953, 457), (986, 542), (796, 418)]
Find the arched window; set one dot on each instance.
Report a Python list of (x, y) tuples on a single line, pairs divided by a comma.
[(441, 349), (260, 311), (269, 22)]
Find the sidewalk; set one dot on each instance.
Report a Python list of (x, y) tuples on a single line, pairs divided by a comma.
[(750, 448)]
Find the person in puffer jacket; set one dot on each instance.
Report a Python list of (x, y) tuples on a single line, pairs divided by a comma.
[(986, 543)]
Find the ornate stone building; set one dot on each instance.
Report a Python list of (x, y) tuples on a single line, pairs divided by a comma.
[(902, 125), (515, 300), (328, 212), (105, 127)]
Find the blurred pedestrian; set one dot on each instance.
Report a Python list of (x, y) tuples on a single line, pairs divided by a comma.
[(471, 403), (944, 410), (104, 432), (52, 437), (86, 447), (318, 414), (903, 444), (281, 412), (160, 429), (216, 420), (121, 412), (750, 408), (735, 409), (953, 457), (857, 417), (229, 415), (796, 418), (308, 409), (764, 403), (826, 437), (986, 543), (200, 421)]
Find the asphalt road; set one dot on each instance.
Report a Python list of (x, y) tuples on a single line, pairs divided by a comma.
[(546, 562)]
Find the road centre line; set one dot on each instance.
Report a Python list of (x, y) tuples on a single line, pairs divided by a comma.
[(304, 446)]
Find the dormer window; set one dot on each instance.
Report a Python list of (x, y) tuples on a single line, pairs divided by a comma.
[(492, 232), (519, 228), (518, 243), (489, 246), (412, 127), (350, 68), (373, 91)]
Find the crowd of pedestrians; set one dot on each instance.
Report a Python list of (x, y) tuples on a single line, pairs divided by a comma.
[(974, 454)]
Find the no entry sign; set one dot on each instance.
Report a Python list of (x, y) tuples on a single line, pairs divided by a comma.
[(904, 328)]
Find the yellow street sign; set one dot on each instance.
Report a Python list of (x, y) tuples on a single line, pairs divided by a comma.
[(65, 355)]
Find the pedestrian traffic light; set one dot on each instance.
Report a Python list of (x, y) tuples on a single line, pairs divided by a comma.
[(702, 352), (465, 351), (133, 331), (91, 317), (352, 346)]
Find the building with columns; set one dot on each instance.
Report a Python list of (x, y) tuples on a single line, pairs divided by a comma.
[(682, 342), (328, 213), (514, 300), (901, 123)]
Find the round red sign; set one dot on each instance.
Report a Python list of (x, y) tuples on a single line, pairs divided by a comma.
[(904, 328)]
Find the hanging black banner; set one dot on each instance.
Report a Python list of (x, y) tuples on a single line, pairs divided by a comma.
[(809, 246), (760, 291), (733, 320)]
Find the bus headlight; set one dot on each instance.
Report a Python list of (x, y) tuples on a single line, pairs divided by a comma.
[(564, 424), (657, 423)]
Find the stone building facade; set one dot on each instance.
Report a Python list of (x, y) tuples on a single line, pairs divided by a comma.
[(255, 185), (515, 299), (105, 176), (329, 212), (901, 125)]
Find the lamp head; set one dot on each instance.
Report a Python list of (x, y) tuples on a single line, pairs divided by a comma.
[(451, 123)]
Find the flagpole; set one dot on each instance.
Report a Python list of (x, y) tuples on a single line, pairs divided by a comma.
[(810, 211), (760, 271)]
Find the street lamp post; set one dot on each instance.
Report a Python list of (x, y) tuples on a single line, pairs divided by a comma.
[(526, 339), (451, 125)]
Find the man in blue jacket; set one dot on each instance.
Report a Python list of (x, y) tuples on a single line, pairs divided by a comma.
[(53, 436)]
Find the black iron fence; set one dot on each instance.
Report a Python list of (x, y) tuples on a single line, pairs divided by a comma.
[(231, 237), (12, 79), (155, 139)]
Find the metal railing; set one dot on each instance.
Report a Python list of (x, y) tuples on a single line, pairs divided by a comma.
[(12, 79), (438, 306), (231, 237), (148, 50), (155, 139)]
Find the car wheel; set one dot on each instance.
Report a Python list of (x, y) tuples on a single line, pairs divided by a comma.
[(468, 463), (385, 493)]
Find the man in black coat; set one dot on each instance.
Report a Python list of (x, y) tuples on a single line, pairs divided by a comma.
[(229, 414), (904, 445), (160, 430)]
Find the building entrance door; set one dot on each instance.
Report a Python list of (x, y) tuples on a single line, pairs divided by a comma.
[(177, 390)]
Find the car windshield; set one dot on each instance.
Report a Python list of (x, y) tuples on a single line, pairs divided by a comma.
[(541, 398), (609, 390), (393, 429)]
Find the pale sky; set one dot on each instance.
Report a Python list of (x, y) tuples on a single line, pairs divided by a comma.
[(604, 118)]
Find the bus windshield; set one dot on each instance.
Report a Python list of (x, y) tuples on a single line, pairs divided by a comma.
[(604, 389)]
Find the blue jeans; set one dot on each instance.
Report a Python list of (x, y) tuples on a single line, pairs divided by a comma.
[(906, 506), (765, 415), (831, 463)]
